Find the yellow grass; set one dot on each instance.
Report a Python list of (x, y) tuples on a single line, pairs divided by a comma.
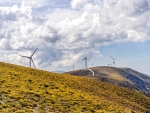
[(25, 90)]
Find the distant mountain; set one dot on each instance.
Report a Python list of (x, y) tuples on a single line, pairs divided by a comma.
[(59, 71), (124, 77)]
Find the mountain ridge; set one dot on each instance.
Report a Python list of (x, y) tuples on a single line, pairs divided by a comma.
[(124, 77)]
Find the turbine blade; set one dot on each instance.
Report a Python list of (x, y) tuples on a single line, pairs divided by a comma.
[(24, 56), (83, 59), (111, 57), (84, 54), (33, 62), (34, 52)]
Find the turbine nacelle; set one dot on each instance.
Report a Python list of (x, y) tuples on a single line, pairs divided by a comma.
[(84, 59)]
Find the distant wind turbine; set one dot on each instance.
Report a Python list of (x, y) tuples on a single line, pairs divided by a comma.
[(85, 59), (110, 64), (113, 61), (73, 67), (30, 58)]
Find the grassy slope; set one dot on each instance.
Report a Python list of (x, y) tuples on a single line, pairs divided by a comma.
[(25, 90)]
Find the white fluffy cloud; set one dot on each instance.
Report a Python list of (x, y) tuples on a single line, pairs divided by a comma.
[(76, 4), (62, 34)]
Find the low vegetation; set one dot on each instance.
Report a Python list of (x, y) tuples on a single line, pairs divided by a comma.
[(25, 90)]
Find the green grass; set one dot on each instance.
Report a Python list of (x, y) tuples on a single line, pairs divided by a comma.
[(25, 90)]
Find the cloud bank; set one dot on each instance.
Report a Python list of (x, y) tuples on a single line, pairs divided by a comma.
[(65, 34)]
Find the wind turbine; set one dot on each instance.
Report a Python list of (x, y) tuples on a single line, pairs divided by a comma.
[(85, 59), (92, 64), (113, 61), (110, 64), (73, 67), (30, 58)]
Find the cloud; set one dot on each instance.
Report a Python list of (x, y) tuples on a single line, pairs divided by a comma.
[(76, 4), (4, 43), (62, 34)]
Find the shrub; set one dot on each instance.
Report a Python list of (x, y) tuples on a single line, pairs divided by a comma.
[(45, 85)]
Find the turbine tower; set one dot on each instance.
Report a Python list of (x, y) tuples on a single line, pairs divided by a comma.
[(73, 67), (30, 58), (113, 61)]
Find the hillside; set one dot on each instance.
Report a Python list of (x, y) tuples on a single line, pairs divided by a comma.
[(124, 77), (26, 90)]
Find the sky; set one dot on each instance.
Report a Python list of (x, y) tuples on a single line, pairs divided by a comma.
[(65, 31)]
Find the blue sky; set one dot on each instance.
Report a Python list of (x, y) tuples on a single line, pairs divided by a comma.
[(135, 55), (65, 30)]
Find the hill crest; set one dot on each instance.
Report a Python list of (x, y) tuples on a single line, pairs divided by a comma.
[(124, 77)]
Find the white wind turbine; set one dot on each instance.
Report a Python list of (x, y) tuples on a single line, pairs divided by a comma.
[(73, 67), (113, 61), (85, 59), (30, 58)]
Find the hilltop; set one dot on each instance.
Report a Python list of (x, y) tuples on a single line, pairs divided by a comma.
[(124, 77), (27, 90)]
